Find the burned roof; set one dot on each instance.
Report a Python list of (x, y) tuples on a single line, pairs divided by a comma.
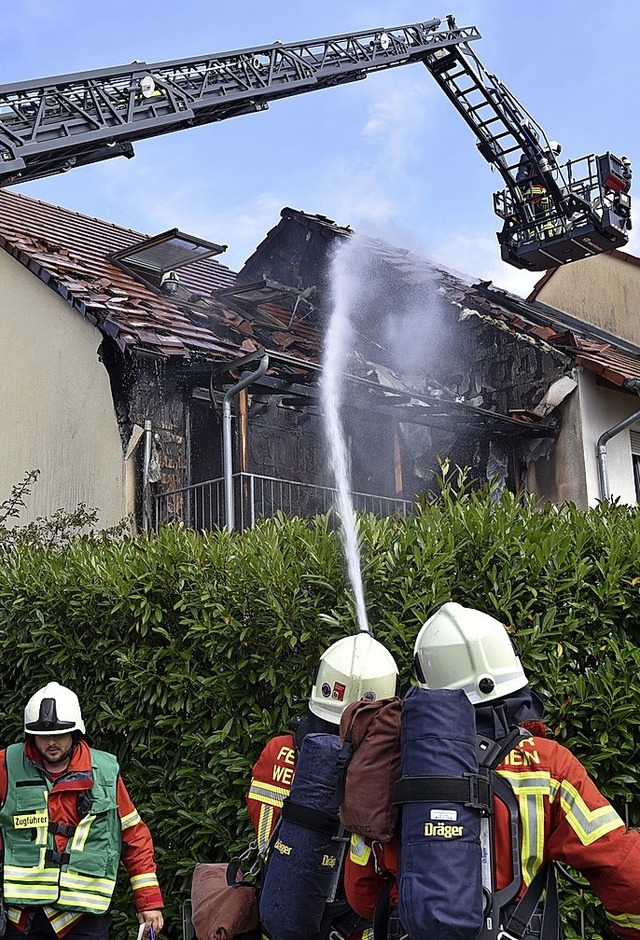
[(585, 345), (76, 256), (215, 316), (609, 357)]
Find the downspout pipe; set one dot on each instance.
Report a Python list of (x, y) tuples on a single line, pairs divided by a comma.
[(146, 499), (601, 445), (227, 450)]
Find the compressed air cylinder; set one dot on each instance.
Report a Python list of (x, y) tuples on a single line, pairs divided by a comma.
[(440, 876), (304, 859)]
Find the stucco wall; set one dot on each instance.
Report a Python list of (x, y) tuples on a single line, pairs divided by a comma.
[(570, 474), (56, 411), (560, 477), (603, 291), (603, 408)]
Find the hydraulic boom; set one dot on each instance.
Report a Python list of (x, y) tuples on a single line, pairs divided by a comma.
[(554, 215)]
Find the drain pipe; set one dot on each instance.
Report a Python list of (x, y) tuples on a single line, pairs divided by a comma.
[(146, 522), (601, 446), (227, 450)]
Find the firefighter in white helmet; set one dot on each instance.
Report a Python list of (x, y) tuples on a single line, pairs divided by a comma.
[(531, 180), (354, 667), (461, 648), (567, 818), (65, 819)]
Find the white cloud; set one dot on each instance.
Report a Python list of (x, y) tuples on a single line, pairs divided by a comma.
[(242, 227), (478, 256), (396, 122)]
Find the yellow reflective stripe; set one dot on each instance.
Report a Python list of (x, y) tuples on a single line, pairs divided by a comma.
[(14, 914), (43, 875), (268, 793), (367, 933), (60, 919), (144, 881), (532, 820), (359, 851), (265, 821), (534, 781), (81, 833), (90, 903), (630, 921), (530, 789), (71, 879), (131, 819), (84, 892), (37, 892), (42, 834), (588, 824)]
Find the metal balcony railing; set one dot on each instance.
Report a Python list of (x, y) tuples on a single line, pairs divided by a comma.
[(202, 505)]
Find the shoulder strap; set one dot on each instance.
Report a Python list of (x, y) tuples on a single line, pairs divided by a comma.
[(309, 817), (16, 766), (544, 881), (106, 764), (491, 753), (381, 913)]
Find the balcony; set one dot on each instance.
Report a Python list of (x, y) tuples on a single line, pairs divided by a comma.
[(202, 506)]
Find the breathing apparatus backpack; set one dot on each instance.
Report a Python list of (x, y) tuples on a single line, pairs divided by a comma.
[(304, 864), (446, 876), (440, 857)]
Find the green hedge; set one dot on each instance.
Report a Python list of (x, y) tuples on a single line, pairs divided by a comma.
[(189, 651)]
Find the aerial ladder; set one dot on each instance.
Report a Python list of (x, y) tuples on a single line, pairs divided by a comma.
[(552, 213)]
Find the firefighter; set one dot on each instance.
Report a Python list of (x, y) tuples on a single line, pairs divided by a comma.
[(534, 191), (564, 816), (65, 819), (352, 668)]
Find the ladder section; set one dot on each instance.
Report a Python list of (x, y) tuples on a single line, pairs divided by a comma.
[(506, 133), (49, 125)]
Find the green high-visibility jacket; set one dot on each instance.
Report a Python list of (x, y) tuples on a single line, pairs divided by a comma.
[(82, 878)]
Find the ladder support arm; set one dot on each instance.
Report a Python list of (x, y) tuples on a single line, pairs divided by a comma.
[(50, 124)]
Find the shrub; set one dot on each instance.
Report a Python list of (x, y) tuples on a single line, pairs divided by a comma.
[(190, 650)]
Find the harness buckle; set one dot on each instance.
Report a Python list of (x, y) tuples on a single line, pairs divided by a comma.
[(58, 858), (334, 934), (480, 793)]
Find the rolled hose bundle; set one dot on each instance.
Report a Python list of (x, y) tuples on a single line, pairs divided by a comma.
[(440, 875), (304, 857)]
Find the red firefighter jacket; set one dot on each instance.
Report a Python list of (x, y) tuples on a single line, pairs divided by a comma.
[(137, 845), (564, 817), (270, 783)]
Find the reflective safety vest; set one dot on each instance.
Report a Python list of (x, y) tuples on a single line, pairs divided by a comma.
[(81, 878)]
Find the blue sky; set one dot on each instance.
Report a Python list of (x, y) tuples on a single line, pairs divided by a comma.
[(387, 155)]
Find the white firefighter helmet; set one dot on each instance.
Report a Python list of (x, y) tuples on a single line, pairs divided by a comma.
[(352, 668), (555, 148), (462, 648), (53, 709)]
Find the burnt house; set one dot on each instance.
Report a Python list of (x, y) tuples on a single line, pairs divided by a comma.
[(125, 358), (522, 390)]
